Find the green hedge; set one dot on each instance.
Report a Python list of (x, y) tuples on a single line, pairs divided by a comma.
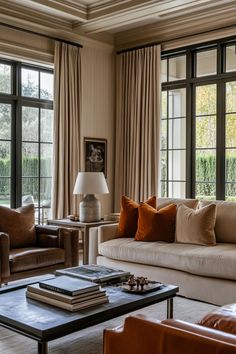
[(30, 168)]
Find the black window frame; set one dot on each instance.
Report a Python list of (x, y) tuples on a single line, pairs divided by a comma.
[(190, 83), (18, 101)]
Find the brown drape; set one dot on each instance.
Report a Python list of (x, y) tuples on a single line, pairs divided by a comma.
[(137, 124), (67, 102)]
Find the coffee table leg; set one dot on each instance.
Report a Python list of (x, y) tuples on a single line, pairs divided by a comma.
[(170, 303), (42, 347)]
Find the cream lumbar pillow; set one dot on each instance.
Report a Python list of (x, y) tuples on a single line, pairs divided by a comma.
[(196, 226)]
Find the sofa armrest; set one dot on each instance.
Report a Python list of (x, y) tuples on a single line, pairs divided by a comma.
[(146, 336), (107, 232), (4, 257)]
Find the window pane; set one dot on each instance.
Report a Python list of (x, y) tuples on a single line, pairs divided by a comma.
[(164, 70), (46, 125), (206, 63), (206, 165), (230, 165), (5, 159), (177, 189), (205, 191), (45, 192), (163, 189), (177, 165), (46, 86), (206, 100), (164, 104), (230, 58), (177, 103), (29, 159), (177, 68), (5, 121), (230, 192), (206, 132), (230, 130), (30, 125), (5, 191), (163, 134), (46, 160), (231, 96), (163, 165), (177, 133), (5, 78), (30, 188), (29, 83)]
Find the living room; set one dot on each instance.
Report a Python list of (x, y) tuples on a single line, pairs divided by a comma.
[(148, 85)]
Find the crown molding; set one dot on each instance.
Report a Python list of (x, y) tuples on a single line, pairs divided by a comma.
[(174, 28)]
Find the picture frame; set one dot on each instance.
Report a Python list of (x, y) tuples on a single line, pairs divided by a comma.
[(95, 155)]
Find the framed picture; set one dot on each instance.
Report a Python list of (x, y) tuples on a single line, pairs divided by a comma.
[(95, 155)]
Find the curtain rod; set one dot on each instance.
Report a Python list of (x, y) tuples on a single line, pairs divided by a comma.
[(42, 35)]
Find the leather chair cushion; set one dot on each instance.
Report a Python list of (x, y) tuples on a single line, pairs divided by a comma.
[(19, 224), (223, 319), (32, 258)]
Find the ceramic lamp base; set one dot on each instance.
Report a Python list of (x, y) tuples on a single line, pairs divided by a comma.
[(90, 209)]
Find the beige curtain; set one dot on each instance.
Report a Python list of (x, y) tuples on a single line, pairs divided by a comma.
[(137, 124), (67, 102)]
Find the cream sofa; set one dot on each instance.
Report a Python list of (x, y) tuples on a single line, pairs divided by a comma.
[(206, 273)]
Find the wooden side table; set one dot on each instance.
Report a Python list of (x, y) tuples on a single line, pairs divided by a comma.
[(83, 227)]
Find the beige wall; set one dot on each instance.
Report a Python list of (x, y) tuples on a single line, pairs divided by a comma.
[(97, 87)]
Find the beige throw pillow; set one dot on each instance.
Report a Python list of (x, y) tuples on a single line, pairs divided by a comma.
[(196, 226)]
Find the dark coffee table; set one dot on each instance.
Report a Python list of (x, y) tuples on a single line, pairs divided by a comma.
[(44, 323)]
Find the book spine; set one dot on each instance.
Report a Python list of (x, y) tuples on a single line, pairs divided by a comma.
[(56, 289)]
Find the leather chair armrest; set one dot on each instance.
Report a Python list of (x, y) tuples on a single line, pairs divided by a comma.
[(69, 241), (4, 257), (107, 232)]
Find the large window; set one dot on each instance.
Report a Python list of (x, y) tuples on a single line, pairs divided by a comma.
[(26, 126), (198, 126)]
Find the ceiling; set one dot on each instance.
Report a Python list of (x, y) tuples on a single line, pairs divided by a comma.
[(117, 21)]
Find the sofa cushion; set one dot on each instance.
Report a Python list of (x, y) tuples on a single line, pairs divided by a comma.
[(225, 220), (128, 222), (218, 261), (31, 258), (156, 225), (196, 226), (223, 319), (19, 224), (162, 202)]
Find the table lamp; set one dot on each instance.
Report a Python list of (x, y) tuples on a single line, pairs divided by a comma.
[(90, 183)]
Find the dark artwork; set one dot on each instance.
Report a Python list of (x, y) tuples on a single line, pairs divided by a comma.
[(95, 155)]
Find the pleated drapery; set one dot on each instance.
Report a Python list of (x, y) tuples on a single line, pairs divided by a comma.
[(137, 124), (67, 104)]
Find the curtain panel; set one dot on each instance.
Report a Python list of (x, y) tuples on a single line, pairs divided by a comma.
[(137, 123), (67, 104)]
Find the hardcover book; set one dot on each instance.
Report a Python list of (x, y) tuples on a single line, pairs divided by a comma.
[(35, 288), (95, 273), (66, 306), (68, 285)]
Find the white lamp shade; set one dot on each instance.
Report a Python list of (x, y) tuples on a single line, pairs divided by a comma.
[(90, 183)]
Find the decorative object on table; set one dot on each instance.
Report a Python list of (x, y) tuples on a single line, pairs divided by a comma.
[(112, 217), (73, 217), (140, 285), (96, 273), (95, 155), (90, 183)]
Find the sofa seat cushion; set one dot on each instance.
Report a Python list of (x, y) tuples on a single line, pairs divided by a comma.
[(31, 258), (218, 261)]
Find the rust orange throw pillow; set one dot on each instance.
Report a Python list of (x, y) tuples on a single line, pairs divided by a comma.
[(129, 216), (156, 225)]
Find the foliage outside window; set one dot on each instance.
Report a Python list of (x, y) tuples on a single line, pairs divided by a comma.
[(207, 137), (26, 121)]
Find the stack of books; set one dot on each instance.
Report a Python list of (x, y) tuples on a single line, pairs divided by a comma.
[(67, 293)]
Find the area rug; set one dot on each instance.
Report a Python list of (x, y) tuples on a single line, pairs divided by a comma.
[(89, 341)]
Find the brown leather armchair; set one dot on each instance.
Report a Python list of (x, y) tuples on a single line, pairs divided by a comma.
[(28, 250), (142, 335)]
